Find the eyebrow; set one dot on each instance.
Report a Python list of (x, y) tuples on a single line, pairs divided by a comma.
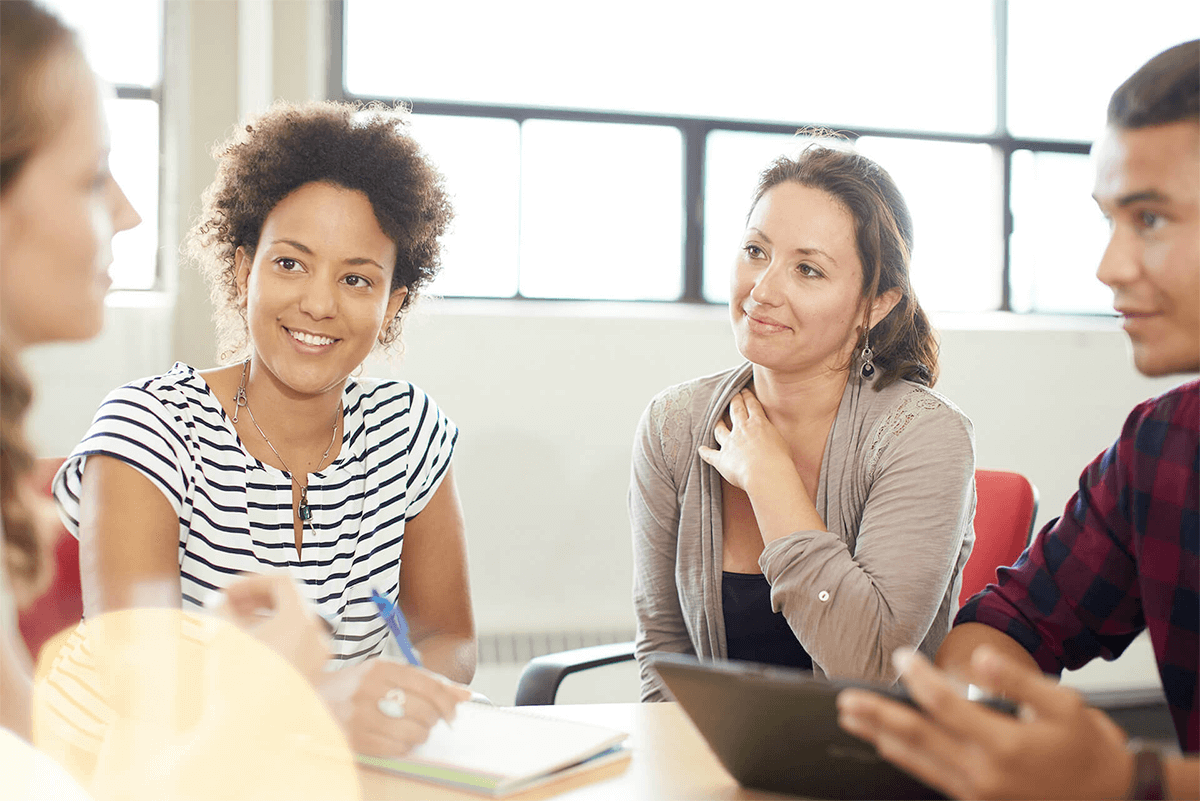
[(803, 251), (355, 261)]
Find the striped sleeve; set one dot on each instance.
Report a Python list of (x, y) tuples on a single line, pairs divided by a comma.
[(144, 431), (432, 444)]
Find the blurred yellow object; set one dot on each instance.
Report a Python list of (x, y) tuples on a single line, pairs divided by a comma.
[(165, 704)]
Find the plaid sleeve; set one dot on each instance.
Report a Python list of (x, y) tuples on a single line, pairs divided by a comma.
[(1074, 594)]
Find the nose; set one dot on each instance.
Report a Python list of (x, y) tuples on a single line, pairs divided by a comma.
[(319, 298), (766, 289), (1120, 262), (124, 215)]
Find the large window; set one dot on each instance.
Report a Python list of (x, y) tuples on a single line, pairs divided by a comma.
[(123, 43), (609, 150)]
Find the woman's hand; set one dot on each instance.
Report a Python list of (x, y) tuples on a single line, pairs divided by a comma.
[(274, 611), (1057, 746), (423, 698), (752, 453), (755, 458)]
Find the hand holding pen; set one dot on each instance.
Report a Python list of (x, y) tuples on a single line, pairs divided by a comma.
[(385, 706)]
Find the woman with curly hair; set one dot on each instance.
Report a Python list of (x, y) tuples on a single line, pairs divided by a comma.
[(319, 230)]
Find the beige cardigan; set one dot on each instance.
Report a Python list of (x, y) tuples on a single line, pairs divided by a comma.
[(896, 490)]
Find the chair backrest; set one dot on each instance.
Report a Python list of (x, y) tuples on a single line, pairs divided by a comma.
[(1005, 508), (61, 605)]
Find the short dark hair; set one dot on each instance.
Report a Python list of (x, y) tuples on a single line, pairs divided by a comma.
[(1165, 89), (903, 342), (363, 148)]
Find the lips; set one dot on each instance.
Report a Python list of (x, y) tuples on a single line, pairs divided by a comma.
[(764, 323), (310, 339)]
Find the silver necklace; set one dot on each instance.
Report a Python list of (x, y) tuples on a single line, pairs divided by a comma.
[(240, 401)]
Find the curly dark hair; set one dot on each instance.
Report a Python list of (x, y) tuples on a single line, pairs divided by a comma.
[(363, 148), (904, 342)]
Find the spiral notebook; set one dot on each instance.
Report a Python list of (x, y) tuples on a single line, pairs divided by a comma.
[(497, 751)]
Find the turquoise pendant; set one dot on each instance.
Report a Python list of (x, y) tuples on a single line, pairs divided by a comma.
[(304, 510)]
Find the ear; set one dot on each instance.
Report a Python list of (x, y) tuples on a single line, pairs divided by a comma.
[(884, 304), (241, 263), (395, 301)]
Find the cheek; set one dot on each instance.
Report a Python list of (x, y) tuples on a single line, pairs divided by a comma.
[(100, 217)]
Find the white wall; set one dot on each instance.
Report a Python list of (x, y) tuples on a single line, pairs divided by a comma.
[(547, 394)]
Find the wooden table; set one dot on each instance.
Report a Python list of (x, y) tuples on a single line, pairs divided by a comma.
[(670, 762)]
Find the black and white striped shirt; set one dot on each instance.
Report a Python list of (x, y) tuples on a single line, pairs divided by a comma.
[(235, 513)]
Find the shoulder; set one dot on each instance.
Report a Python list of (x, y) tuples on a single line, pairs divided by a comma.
[(1160, 433), (393, 403), (177, 395), (1176, 411), (903, 404), (691, 399), (913, 414), (375, 395)]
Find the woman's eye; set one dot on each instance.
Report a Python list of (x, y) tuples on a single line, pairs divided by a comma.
[(356, 280), (753, 251), (809, 270), (1149, 220), (287, 264)]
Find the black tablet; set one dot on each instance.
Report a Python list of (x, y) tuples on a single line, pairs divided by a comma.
[(776, 729)]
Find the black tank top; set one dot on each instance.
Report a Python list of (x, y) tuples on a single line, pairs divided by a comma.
[(754, 633)]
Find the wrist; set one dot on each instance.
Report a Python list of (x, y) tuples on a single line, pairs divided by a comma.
[(1147, 772)]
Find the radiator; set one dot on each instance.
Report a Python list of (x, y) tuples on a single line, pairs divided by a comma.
[(518, 648)]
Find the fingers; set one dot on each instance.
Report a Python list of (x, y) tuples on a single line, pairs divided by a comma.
[(249, 595), (440, 694), (737, 409), (721, 433), (903, 736), (1037, 694), (942, 699), (750, 400)]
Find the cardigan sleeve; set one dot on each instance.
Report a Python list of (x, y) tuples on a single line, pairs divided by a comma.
[(852, 605), (654, 520)]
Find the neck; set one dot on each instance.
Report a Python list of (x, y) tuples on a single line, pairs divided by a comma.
[(290, 418), (797, 403)]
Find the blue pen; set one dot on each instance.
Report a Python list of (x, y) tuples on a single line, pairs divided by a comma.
[(396, 624)]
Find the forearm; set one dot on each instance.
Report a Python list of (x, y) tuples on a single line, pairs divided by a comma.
[(451, 655), (1182, 776), (782, 506), (955, 652)]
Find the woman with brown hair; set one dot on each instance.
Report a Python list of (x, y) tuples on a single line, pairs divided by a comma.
[(813, 507), (59, 209)]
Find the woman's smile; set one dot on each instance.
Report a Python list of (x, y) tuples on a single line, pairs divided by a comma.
[(315, 341)]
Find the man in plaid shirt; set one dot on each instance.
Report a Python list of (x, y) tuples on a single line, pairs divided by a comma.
[(1125, 555)]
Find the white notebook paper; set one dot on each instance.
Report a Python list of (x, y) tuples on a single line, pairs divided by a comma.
[(500, 751)]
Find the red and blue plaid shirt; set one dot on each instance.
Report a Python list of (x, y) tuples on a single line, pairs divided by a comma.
[(1125, 556)]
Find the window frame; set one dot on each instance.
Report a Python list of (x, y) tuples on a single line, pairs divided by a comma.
[(694, 133)]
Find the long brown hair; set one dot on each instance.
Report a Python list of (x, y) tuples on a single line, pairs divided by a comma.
[(29, 37), (904, 343)]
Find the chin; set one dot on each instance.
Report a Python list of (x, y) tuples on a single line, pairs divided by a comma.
[(1156, 365)]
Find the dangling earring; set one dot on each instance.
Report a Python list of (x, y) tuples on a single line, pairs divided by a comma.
[(866, 356)]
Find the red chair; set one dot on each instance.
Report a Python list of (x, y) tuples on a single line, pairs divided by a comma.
[(1005, 508), (61, 605)]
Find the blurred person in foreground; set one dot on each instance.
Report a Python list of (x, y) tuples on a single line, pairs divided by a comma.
[(1125, 555), (59, 210)]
